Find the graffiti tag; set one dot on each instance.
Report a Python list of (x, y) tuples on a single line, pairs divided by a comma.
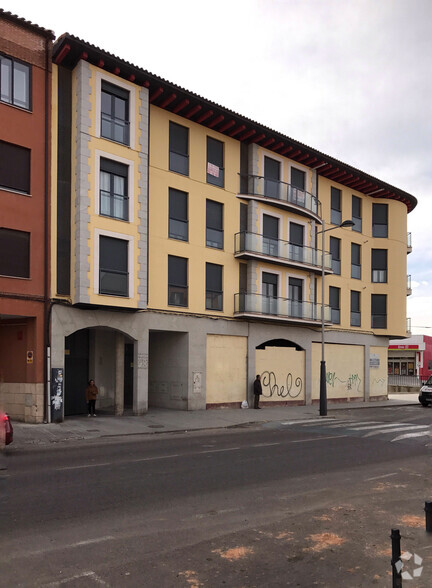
[(353, 381), (270, 386)]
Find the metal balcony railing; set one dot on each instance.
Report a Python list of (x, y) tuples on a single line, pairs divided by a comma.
[(280, 308), (409, 242), (408, 326), (409, 289), (261, 186), (254, 243)]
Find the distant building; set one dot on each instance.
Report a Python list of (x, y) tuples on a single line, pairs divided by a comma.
[(410, 357), (25, 144)]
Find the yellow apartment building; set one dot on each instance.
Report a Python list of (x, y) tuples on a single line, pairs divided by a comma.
[(186, 251)]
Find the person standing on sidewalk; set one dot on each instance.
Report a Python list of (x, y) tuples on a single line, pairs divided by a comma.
[(91, 395), (257, 391)]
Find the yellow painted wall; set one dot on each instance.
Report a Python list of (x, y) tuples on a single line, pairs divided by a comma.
[(378, 378), (120, 228), (195, 250), (226, 369), (345, 370), (282, 371), (396, 244)]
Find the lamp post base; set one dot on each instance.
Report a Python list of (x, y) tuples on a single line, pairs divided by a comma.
[(323, 390)]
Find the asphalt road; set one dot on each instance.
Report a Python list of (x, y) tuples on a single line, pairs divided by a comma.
[(262, 506)]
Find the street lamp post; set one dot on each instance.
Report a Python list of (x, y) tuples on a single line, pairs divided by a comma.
[(323, 379)]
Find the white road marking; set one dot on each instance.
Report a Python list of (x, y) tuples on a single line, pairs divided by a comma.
[(315, 420), (388, 426), (265, 444), (317, 439), (59, 547), (83, 575), (345, 423), (395, 430), (80, 467), (410, 435), (221, 450), (92, 541), (380, 477)]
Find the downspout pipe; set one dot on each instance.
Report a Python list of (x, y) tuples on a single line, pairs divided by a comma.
[(46, 226)]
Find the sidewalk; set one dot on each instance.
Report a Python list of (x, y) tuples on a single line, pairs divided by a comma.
[(158, 420)]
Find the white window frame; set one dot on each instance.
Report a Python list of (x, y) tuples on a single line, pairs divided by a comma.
[(115, 81), (131, 260), (131, 176)]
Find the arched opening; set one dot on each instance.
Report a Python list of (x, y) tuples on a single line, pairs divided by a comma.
[(279, 343)]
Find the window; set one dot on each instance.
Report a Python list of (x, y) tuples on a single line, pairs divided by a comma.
[(271, 178), (355, 309), (334, 300), (269, 293), (18, 263), (14, 167), (114, 201), (113, 266), (215, 162), (295, 295), (356, 214), (335, 253), (336, 210), (115, 113), (379, 311), (296, 239), (214, 294), (270, 235), (379, 265), (298, 178), (15, 82), (356, 261), (379, 220), (177, 281), (178, 215), (179, 149), (214, 224)]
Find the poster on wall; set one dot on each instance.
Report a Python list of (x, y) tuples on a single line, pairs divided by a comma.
[(374, 360), (56, 399)]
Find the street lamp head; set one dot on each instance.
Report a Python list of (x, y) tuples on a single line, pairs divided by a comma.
[(347, 223)]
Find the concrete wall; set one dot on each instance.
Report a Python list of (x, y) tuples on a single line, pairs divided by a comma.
[(168, 370), (378, 380), (345, 366)]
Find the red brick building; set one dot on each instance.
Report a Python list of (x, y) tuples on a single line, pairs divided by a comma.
[(25, 130)]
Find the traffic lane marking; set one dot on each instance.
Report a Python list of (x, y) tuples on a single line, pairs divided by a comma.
[(394, 430), (390, 425), (411, 435)]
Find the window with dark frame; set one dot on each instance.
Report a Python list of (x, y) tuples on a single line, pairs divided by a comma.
[(14, 167), (214, 224), (356, 261), (113, 266), (177, 281), (298, 178), (215, 162), (379, 311), (379, 265), (334, 301), (271, 178), (335, 253), (178, 215), (214, 290), (114, 113), (380, 220), (270, 236), (114, 200), (295, 296), (15, 265), (296, 239), (178, 149), (15, 82), (357, 214), (269, 293), (336, 206), (355, 309)]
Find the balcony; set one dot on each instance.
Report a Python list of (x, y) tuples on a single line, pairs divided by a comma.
[(409, 289), (408, 327), (255, 246), (281, 195), (279, 309), (409, 242)]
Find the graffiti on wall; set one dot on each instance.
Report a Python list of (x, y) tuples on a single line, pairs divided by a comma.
[(270, 386), (353, 382), (379, 381)]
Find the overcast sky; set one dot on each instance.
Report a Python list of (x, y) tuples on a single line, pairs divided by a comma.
[(352, 78)]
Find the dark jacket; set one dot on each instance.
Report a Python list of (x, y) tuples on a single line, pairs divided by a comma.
[(257, 387)]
